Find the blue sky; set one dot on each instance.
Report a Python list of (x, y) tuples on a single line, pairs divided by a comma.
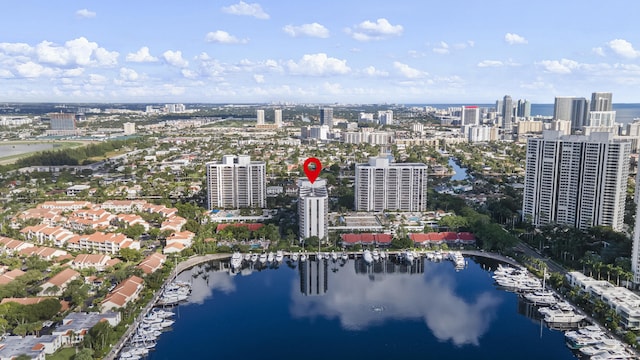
[(317, 51)]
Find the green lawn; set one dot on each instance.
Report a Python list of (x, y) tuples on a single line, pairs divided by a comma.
[(62, 354)]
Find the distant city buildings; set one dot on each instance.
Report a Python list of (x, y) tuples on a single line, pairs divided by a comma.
[(129, 128), (575, 180), (507, 114), (259, 117), (326, 117), (62, 124), (167, 108), (277, 115), (601, 101), (313, 209), (524, 109), (385, 117), (382, 185), (236, 182), (470, 115), (573, 109)]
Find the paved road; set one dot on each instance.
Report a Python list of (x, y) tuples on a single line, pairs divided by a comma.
[(551, 265)]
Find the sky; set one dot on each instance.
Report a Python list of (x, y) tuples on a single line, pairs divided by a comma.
[(412, 52)]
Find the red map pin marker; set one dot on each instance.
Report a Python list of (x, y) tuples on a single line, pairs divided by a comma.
[(312, 174)]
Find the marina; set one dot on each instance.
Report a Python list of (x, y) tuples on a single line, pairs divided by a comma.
[(323, 276)]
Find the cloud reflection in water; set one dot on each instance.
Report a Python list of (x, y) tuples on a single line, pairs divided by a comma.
[(360, 303)]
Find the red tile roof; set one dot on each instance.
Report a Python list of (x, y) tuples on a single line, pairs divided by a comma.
[(250, 226)]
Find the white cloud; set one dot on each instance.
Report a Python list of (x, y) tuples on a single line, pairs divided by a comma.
[(97, 79), (85, 14), (369, 30), (372, 71), (513, 39), (442, 49), (318, 65), (127, 74), (74, 72), (34, 70), (78, 51), (189, 74), (106, 58), (598, 51), (259, 79), (224, 37), (623, 48), (141, 55), (242, 8), (490, 63), (175, 58), (311, 30), (407, 71), (16, 48), (563, 66), (5, 74)]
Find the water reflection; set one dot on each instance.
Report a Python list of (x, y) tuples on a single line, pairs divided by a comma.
[(208, 277), (361, 302)]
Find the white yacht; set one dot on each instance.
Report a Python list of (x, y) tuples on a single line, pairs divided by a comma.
[(247, 257), (607, 345), (279, 256), (375, 255), (263, 258), (270, 257), (543, 298), (303, 257), (254, 257), (319, 256), (383, 254), (294, 256), (562, 317), (334, 256), (344, 256), (236, 260), (408, 256), (368, 258)]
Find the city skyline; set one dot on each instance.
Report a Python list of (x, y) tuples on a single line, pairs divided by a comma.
[(355, 52)]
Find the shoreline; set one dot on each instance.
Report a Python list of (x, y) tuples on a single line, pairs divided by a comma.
[(182, 266)]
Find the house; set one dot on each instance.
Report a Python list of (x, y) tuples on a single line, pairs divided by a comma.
[(43, 252), (438, 238), (45, 216), (130, 220), (173, 223), (102, 242), (64, 305), (65, 205), (97, 261), (152, 263), (183, 238), (84, 219), (59, 282), (160, 209), (366, 239), (124, 206), (34, 347), (76, 325), (43, 233), (126, 292), (9, 276), (11, 246), (249, 226), (172, 248)]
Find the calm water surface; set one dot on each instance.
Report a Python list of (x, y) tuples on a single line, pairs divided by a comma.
[(333, 310), (17, 149)]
